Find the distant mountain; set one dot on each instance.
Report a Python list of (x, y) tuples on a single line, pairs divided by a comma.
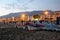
[(19, 13)]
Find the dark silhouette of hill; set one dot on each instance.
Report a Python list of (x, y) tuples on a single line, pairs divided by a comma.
[(19, 13)]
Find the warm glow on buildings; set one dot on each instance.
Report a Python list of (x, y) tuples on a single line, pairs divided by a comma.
[(12, 18), (31, 18), (46, 15)]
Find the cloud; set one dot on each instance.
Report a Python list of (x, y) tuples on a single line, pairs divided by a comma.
[(18, 4)]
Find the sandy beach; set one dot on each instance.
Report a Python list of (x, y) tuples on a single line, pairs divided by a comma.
[(19, 34)]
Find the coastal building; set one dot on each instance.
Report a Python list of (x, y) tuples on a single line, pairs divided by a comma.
[(46, 15)]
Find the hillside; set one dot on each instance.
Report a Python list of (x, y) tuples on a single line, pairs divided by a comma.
[(19, 13)]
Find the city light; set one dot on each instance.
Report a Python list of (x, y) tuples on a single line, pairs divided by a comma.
[(46, 12), (46, 15), (23, 15), (36, 19)]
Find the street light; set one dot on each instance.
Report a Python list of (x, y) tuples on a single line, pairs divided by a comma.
[(23, 15), (46, 13)]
